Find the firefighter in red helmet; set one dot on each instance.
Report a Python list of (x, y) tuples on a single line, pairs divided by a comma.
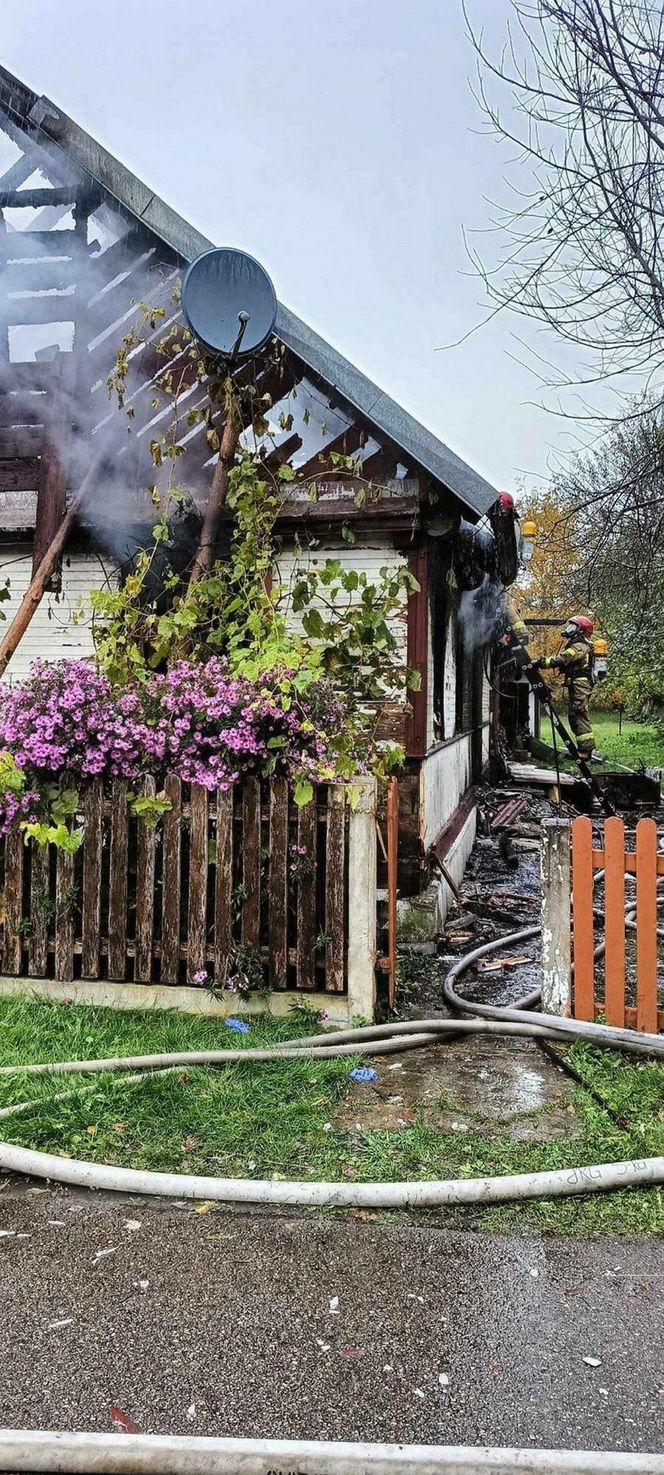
[(575, 659)]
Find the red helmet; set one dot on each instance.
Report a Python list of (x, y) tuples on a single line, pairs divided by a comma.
[(583, 624)]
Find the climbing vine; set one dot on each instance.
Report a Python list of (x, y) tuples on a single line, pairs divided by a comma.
[(329, 623), (236, 671)]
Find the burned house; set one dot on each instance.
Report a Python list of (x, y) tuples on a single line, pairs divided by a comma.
[(82, 241)]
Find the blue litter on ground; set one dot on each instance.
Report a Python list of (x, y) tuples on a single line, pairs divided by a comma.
[(363, 1073), (239, 1025)]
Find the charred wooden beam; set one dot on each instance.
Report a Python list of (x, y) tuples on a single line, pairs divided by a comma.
[(38, 276), (51, 507), (15, 443), (56, 309), (344, 444), (19, 474), (279, 455), (418, 651), (37, 587), (34, 198), (380, 466), (25, 243)]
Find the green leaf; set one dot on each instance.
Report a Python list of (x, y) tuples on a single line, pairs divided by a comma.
[(353, 794), (313, 624), (304, 792)]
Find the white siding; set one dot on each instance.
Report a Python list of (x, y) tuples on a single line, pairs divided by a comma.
[(445, 775), (431, 732), (449, 679), (486, 698), (368, 555), (61, 626)]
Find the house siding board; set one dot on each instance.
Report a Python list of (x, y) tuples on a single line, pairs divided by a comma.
[(450, 679), (445, 775), (53, 633), (368, 555)]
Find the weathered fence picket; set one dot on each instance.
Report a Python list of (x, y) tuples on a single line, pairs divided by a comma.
[(614, 906), (251, 861), (278, 883), (93, 806), (305, 867), (334, 889), (223, 889), (582, 905), (171, 888), (235, 882), (40, 875), (198, 880), (118, 883), (145, 877), (65, 902), (11, 941)]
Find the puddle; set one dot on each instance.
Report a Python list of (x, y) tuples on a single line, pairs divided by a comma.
[(503, 1088)]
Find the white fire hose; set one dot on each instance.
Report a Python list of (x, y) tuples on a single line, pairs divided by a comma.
[(370, 1040), (155, 1454)]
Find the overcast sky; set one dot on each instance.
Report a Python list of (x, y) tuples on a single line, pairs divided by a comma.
[(338, 141)]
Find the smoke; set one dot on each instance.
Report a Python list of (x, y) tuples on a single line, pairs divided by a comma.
[(480, 612), (56, 372)]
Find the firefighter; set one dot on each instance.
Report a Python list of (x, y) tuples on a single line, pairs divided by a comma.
[(513, 630), (575, 660)]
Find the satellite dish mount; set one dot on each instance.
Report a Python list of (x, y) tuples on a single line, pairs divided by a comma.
[(230, 306), (229, 303)]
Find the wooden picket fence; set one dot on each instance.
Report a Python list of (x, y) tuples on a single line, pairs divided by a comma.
[(646, 864), (226, 882)]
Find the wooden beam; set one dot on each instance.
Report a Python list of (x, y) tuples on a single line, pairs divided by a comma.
[(24, 243), (418, 635), (37, 587), (344, 444), (59, 309), (24, 442), (282, 453), (381, 465), (215, 503), (396, 512), (19, 474), (37, 276), (34, 198), (51, 507)]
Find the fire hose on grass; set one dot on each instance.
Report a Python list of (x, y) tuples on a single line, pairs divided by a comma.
[(384, 1039)]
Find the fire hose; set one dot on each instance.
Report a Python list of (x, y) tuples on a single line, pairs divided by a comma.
[(159, 1454), (373, 1040)]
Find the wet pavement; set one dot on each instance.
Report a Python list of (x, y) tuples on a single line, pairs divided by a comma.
[(252, 1325)]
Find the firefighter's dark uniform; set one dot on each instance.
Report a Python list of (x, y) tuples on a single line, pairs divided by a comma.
[(575, 661)]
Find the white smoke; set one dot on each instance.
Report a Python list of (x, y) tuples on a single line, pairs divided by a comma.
[(105, 454), (479, 613)]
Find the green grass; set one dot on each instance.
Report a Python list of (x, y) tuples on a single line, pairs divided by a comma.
[(636, 744), (259, 1120)]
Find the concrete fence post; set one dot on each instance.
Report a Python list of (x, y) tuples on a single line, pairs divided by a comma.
[(556, 917), (362, 900)]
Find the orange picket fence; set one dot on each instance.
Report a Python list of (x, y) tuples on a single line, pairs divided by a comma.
[(630, 912)]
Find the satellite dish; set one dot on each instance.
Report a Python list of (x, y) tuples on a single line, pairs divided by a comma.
[(229, 302)]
